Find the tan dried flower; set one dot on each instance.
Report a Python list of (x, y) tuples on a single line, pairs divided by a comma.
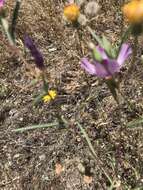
[(92, 8)]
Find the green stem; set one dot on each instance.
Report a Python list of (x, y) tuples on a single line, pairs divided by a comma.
[(113, 87), (14, 18), (135, 49), (98, 39), (93, 152), (132, 67), (125, 36), (45, 83), (35, 127), (5, 27)]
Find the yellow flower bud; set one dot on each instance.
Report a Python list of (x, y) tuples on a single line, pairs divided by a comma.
[(133, 11), (71, 12)]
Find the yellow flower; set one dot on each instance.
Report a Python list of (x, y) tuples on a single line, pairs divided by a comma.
[(46, 98), (133, 11), (50, 96), (71, 12)]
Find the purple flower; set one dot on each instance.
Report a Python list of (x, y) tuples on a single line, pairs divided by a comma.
[(39, 61), (2, 3), (107, 67)]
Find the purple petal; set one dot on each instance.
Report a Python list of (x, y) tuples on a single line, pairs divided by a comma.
[(39, 61), (102, 52), (90, 68), (112, 66), (107, 68), (1, 3), (124, 53)]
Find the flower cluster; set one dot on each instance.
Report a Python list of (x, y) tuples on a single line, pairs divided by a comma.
[(133, 11), (73, 14), (106, 61), (39, 61)]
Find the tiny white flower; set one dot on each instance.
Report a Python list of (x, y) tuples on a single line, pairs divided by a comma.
[(92, 8)]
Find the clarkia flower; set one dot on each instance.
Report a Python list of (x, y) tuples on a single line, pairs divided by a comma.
[(133, 11), (73, 14), (107, 67), (39, 61), (2, 3)]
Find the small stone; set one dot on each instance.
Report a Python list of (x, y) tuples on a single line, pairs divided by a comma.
[(81, 168), (42, 157)]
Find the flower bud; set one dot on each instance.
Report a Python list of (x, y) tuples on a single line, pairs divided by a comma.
[(71, 12), (92, 8), (133, 11)]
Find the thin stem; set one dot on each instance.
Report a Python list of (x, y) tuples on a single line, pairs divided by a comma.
[(94, 153), (135, 45), (14, 18), (35, 127), (135, 49), (5, 27), (113, 87), (125, 36), (95, 36), (122, 17)]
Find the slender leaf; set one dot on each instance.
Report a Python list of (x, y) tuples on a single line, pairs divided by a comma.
[(97, 38), (35, 127), (38, 99), (87, 139), (5, 27), (92, 149), (135, 123), (14, 18), (96, 55), (107, 45), (125, 36)]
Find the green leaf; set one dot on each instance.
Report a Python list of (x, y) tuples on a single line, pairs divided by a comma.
[(107, 45), (110, 50), (38, 99), (113, 87), (91, 148), (14, 18), (96, 55), (135, 123), (45, 84), (96, 37), (87, 139), (114, 52), (35, 127), (125, 36), (5, 27), (33, 82)]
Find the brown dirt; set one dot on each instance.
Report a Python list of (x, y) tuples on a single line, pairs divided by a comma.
[(28, 159)]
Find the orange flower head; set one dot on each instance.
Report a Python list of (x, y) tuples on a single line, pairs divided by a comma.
[(71, 12), (133, 11)]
